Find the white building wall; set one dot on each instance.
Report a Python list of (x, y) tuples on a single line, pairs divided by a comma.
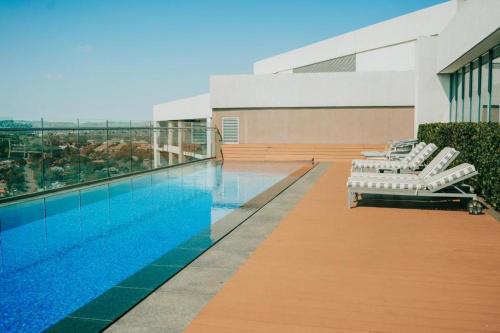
[(431, 90), (475, 21), (196, 107), (400, 57), (397, 62), (348, 89), (425, 22)]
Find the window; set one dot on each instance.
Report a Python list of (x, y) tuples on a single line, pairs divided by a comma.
[(474, 92), (484, 88), (231, 129), (198, 131), (467, 92), (495, 85), (453, 99), (460, 96)]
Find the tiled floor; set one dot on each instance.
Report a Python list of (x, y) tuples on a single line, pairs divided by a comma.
[(327, 268)]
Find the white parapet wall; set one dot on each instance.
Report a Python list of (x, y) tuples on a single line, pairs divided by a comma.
[(349, 89), (196, 107), (426, 22)]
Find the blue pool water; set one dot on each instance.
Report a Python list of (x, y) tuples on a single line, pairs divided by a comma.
[(59, 253)]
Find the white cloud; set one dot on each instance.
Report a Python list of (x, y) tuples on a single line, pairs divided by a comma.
[(52, 76), (85, 48)]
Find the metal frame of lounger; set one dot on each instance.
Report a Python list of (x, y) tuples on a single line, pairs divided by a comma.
[(474, 206)]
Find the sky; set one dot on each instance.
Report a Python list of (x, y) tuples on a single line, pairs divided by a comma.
[(115, 59)]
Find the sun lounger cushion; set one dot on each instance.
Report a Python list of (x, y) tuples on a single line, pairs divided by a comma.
[(390, 164), (440, 162), (389, 184), (372, 175), (379, 164), (422, 156), (450, 176), (414, 152), (415, 161)]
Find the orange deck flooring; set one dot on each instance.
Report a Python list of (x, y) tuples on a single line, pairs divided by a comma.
[(326, 268)]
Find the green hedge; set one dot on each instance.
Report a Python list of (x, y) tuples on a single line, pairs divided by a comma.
[(479, 144)]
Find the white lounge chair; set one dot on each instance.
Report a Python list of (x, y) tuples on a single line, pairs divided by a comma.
[(437, 165), (444, 184), (411, 162)]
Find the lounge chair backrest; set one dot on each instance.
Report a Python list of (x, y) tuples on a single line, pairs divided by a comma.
[(450, 177), (414, 152), (440, 162), (422, 156)]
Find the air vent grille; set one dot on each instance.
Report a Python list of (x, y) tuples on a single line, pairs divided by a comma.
[(231, 129)]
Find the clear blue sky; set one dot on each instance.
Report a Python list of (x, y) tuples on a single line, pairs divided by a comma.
[(98, 59)]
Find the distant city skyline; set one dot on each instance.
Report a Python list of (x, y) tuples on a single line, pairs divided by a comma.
[(63, 60)]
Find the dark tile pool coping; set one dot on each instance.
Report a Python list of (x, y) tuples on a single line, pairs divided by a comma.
[(113, 304)]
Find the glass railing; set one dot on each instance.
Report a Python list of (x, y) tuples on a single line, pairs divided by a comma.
[(39, 156)]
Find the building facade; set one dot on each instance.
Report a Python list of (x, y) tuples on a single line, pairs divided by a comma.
[(367, 86)]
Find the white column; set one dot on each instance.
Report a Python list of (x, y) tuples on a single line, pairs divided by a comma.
[(210, 138), (180, 136), (170, 140), (156, 147)]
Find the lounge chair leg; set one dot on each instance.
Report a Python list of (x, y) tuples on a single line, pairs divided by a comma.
[(349, 199)]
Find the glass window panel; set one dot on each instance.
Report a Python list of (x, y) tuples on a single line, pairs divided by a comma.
[(93, 154), (173, 140), (459, 96), (186, 143), (61, 158), (21, 164), (453, 104), (467, 104), (65, 153), (484, 89), (495, 88), (142, 149), (195, 139), (161, 155), (119, 151), (474, 97), (171, 149)]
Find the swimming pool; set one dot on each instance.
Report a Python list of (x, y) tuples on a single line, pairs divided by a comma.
[(97, 251)]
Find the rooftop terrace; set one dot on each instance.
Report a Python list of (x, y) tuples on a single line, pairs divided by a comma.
[(325, 268)]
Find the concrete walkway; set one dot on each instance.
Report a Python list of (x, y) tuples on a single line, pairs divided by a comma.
[(326, 268)]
